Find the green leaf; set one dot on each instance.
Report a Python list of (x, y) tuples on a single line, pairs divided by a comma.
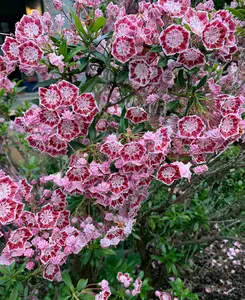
[(73, 52), (102, 37), (202, 82), (88, 296), (107, 252), (3, 280), (54, 40), (79, 25), (102, 80), (2, 91), (83, 62), (139, 128), (162, 62), (46, 83), (14, 294), (99, 56), (63, 48), (26, 292), (98, 24), (181, 79), (92, 132), (86, 257), (100, 137), (4, 270), (242, 11), (81, 284), (156, 49), (236, 13), (196, 227), (193, 297), (174, 270), (89, 85), (173, 105), (187, 27), (67, 279), (122, 76), (189, 104), (178, 284), (123, 123), (136, 236)]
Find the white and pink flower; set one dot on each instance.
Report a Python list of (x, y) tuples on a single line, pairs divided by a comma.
[(139, 72), (191, 127), (191, 58), (168, 173), (136, 115), (174, 39), (30, 54), (124, 48), (229, 126), (214, 34), (50, 97)]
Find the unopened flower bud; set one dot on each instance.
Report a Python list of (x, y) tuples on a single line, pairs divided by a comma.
[(57, 4)]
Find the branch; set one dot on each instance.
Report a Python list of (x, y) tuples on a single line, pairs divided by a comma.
[(209, 240)]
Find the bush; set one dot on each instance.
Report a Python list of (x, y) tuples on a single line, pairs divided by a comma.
[(131, 161)]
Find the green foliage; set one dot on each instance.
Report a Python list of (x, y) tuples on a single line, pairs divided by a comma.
[(180, 292)]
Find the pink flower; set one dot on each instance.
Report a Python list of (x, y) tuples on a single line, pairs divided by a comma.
[(196, 20), (184, 169), (59, 21), (57, 60), (214, 34), (191, 58), (30, 265), (104, 284), (174, 39), (168, 173), (229, 126), (175, 8), (190, 127), (200, 169), (163, 295), (207, 5), (57, 4), (30, 54), (137, 287), (139, 72), (125, 279), (10, 48), (29, 252), (136, 115), (124, 48)]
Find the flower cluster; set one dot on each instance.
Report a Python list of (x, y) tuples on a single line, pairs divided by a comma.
[(43, 232), (62, 116), (126, 280)]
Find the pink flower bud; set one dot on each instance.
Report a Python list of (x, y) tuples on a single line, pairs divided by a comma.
[(30, 265), (57, 4)]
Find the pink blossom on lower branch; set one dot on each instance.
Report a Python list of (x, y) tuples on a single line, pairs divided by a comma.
[(163, 295), (105, 293), (137, 287), (125, 279)]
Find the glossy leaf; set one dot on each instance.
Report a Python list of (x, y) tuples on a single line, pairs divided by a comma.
[(202, 82), (73, 52), (156, 49), (46, 83), (67, 279), (98, 24), (63, 48), (81, 284)]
